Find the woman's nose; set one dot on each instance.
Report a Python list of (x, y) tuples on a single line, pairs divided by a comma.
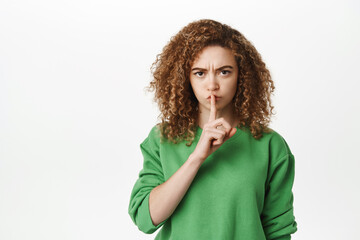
[(212, 83)]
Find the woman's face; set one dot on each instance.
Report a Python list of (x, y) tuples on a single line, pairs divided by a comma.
[(214, 71)]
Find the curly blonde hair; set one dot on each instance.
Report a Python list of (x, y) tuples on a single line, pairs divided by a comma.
[(175, 97)]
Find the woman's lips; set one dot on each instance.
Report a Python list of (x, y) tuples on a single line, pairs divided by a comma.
[(216, 98)]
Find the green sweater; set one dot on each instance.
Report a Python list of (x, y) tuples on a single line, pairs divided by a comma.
[(242, 191)]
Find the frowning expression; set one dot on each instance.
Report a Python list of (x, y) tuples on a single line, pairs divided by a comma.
[(214, 71)]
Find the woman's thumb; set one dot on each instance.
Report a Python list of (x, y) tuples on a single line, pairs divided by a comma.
[(232, 132)]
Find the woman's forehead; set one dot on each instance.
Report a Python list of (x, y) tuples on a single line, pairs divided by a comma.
[(214, 55)]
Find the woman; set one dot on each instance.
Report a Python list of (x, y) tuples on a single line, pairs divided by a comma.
[(213, 169)]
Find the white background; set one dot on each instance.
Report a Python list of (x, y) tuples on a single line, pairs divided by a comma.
[(73, 110)]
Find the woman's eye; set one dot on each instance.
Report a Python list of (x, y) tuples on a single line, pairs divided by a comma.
[(225, 72), (199, 74)]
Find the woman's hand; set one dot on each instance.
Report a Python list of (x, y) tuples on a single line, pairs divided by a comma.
[(164, 198), (213, 137)]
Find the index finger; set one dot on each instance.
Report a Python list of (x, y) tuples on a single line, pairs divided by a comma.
[(212, 116)]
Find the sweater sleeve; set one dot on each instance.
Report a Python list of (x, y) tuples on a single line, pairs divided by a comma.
[(277, 216), (149, 177)]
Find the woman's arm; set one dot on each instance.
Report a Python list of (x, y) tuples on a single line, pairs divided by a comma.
[(277, 216), (164, 198)]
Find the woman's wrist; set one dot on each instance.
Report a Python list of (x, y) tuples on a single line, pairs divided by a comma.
[(195, 159)]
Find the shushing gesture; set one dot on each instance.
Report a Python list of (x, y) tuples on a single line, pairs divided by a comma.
[(215, 133)]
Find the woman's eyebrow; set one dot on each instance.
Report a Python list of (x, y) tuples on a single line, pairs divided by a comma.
[(220, 68)]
